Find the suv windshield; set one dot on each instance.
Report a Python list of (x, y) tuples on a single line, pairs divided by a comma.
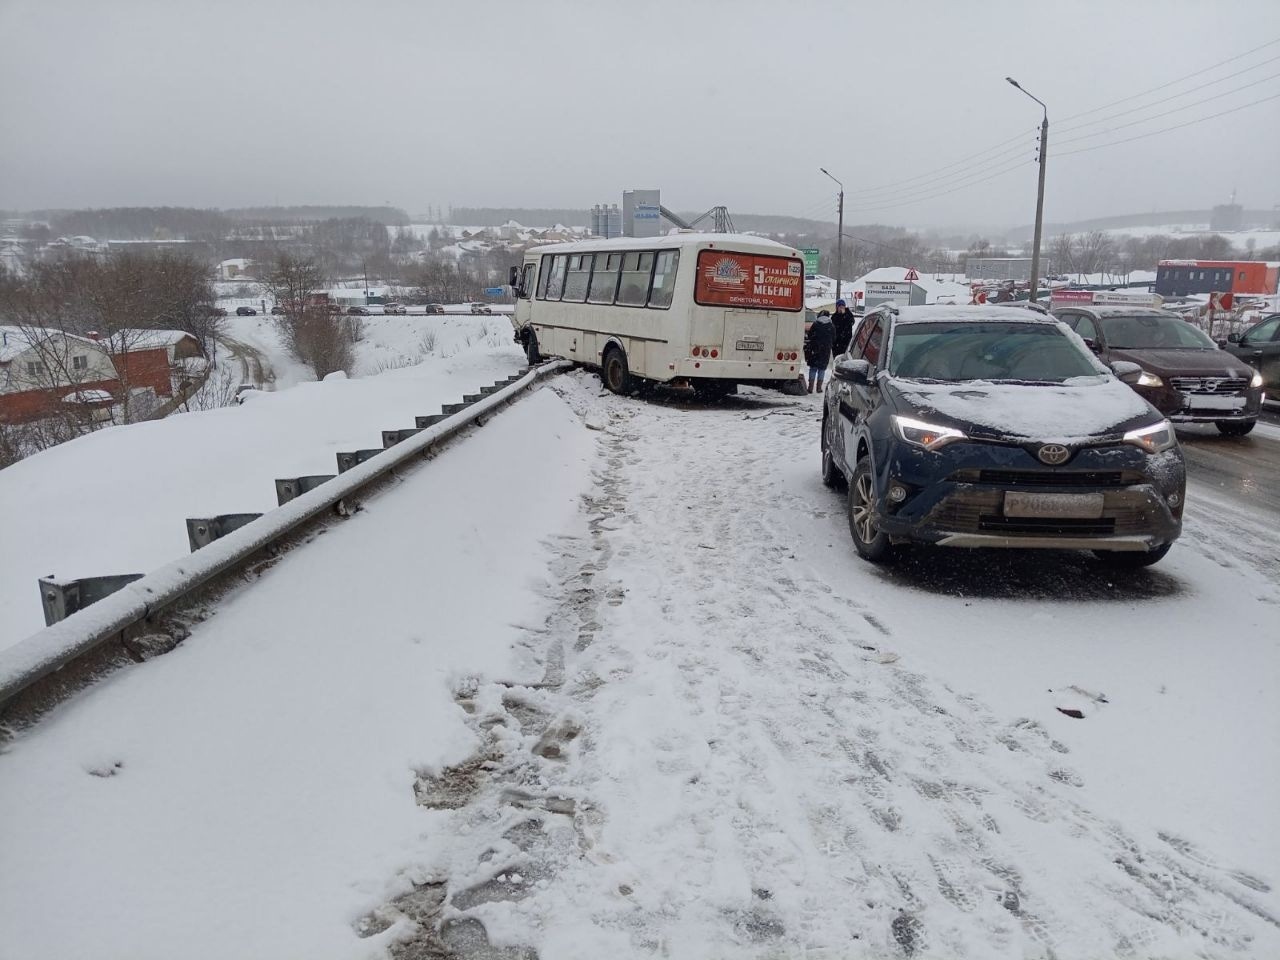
[(968, 350), (1154, 333)]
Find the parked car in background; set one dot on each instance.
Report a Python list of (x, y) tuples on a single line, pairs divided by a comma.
[(277, 310), (334, 308), (433, 308), (357, 311), (395, 308), (1259, 346), (246, 312), (988, 427), (480, 308), (1185, 375)]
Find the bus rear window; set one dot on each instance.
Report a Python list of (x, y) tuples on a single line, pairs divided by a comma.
[(730, 279)]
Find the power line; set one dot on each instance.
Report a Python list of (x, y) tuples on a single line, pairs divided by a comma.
[(1177, 126), (1175, 96), (955, 188), (1174, 82), (1157, 116), (995, 148)]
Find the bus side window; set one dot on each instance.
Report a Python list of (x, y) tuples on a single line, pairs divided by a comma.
[(636, 271), (664, 278), (526, 281), (555, 283), (579, 276), (604, 282), (543, 276)]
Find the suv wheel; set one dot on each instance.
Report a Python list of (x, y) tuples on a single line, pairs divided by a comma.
[(1235, 428), (870, 541), (531, 348), (831, 474)]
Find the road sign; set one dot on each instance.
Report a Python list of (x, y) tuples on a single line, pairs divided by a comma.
[(811, 258), (494, 291), (911, 274), (1220, 301)]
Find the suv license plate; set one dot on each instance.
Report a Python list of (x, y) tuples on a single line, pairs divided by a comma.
[(1073, 506), (748, 345), (1202, 402)]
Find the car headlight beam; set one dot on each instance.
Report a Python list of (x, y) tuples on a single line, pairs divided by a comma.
[(1146, 379), (1156, 438), (930, 436), (1256, 381)]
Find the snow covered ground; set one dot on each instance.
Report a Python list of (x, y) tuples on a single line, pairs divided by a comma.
[(643, 699), (115, 501)]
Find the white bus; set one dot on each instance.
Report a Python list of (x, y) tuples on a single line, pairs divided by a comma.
[(694, 311)]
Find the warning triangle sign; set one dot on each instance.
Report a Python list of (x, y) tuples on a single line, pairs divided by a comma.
[(911, 274)]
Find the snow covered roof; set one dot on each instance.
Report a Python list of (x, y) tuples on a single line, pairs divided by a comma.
[(733, 241), (88, 396), (14, 340), (944, 313), (141, 339)]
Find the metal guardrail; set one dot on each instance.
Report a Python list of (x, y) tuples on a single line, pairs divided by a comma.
[(130, 613)]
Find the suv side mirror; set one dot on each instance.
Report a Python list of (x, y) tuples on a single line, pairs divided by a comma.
[(1126, 371), (1234, 338), (852, 371)]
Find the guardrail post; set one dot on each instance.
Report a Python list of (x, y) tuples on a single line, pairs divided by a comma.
[(391, 437), (202, 531), (353, 458), (291, 487), (62, 598)]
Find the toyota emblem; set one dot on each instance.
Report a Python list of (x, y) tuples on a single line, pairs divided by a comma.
[(1053, 454)]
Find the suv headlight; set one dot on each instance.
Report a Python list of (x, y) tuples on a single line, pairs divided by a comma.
[(1257, 380), (930, 436), (1153, 439), (1146, 379)]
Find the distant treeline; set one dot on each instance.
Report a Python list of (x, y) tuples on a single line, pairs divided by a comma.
[(391, 216), (141, 223)]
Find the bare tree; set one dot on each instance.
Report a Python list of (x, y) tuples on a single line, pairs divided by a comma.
[(313, 335)]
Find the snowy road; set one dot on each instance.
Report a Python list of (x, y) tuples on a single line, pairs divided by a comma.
[(716, 733)]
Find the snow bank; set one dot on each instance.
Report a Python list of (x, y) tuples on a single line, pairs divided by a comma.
[(251, 794), (115, 501)]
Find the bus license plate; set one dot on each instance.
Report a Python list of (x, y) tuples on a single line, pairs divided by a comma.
[(1073, 506), (749, 345)]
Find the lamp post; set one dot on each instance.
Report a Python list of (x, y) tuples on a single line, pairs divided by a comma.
[(1044, 150), (839, 235)]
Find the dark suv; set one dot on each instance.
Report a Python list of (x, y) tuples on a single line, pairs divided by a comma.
[(1259, 346), (990, 427), (1186, 376)]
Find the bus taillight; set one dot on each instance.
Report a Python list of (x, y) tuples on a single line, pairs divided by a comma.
[(714, 353)]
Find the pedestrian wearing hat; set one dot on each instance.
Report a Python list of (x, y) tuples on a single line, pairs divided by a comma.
[(842, 328), (818, 350)]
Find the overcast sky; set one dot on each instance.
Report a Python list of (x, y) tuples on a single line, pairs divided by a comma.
[(542, 103)]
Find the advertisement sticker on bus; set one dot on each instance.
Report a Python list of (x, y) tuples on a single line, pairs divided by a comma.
[(730, 279)]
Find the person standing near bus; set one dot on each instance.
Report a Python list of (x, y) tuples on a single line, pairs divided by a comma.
[(821, 336), (842, 327)]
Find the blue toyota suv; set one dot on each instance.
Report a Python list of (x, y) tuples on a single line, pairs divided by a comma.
[(996, 427)]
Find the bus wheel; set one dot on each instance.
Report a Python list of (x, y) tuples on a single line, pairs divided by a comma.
[(615, 373), (531, 348)]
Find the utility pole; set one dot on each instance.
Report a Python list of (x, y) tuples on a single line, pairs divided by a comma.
[(1044, 154), (839, 234)]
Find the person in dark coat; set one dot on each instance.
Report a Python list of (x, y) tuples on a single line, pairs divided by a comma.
[(842, 327), (819, 350)]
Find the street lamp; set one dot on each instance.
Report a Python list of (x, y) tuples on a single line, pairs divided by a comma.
[(839, 235), (1044, 150)]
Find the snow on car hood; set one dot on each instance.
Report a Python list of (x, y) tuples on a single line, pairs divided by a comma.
[(1060, 412)]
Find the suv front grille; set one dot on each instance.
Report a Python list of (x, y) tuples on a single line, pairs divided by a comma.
[(1048, 478), (978, 510), (1210, 386), (1102, 527)]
